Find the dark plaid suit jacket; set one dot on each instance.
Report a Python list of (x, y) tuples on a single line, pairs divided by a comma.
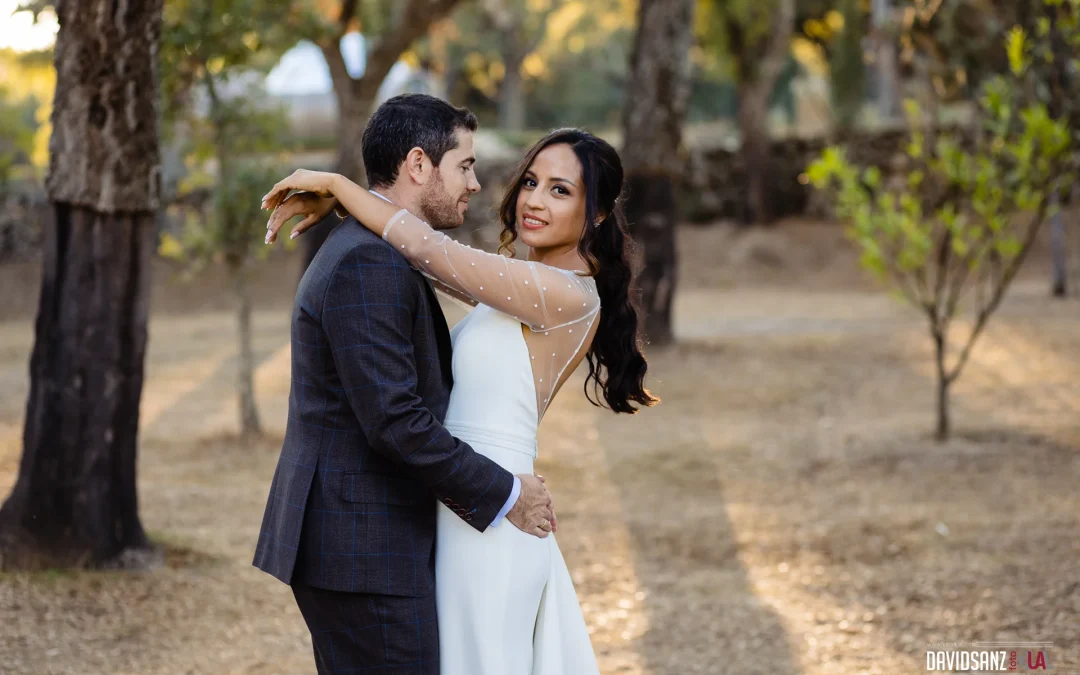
[(352, 504)]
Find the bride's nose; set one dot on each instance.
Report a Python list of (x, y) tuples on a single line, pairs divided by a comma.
[(533, 202)]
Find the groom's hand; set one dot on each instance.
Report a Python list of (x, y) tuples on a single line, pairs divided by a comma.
[(534, 511), (308, 204)]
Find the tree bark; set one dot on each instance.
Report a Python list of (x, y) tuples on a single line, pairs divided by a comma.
[(943, 428), (656, 99), (1059, 284), (511, 106), (757, 79), (885, 73), (245, 371), (74, 502), (756, 147)]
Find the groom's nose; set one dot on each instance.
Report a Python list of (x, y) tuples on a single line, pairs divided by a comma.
[(473, 185)]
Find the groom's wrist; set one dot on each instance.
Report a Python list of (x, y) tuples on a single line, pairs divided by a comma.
[(515, 492)]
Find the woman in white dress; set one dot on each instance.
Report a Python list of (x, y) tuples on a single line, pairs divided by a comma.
[(511, 608)]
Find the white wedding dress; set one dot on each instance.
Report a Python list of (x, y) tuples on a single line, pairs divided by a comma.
[(505, 600)]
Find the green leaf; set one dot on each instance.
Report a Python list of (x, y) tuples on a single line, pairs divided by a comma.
[(1016, 49), (1008, 247)]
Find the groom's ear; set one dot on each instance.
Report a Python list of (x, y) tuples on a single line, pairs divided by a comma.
[(418, 166)]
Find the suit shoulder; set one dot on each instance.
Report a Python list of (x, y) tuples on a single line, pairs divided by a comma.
[(349, 250), (350, 237)]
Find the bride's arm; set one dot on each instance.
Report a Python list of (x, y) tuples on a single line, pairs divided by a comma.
[(541, 296)]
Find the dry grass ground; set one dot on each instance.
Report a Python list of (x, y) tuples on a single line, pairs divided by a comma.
[(784, 511)]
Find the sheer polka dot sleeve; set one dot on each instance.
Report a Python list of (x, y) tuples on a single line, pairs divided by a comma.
[(542, 297)]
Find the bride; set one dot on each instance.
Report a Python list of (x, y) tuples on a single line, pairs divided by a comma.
[(511, 608)]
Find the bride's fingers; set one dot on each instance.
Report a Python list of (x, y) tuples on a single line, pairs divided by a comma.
[(276, 197), (277, 194)]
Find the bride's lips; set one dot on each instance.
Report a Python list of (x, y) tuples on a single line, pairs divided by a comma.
[(531, 222)]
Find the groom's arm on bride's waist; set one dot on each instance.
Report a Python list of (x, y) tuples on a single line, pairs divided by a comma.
[(371, 299)]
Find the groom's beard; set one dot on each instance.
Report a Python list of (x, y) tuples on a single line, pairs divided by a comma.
[(439, 209)]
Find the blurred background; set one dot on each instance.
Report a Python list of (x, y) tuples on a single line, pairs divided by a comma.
[(860, 264)]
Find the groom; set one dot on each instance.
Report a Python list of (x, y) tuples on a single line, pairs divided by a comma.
[(350, 522)]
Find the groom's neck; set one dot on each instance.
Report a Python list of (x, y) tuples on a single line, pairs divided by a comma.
[(400, 198)]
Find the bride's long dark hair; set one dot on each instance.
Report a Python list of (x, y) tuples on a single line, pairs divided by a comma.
[(616, 365)]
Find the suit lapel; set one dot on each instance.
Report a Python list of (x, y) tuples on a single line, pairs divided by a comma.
[(442, 333)]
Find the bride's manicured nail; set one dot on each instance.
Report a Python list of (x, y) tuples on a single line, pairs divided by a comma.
[(294, 235), (268, 235)]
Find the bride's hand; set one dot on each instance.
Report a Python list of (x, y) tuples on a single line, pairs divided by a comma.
[(319, 182)]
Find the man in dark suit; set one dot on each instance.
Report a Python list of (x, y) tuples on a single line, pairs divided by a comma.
[(350, 522)]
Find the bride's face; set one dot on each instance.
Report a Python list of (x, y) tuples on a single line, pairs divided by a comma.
[(551, 200)]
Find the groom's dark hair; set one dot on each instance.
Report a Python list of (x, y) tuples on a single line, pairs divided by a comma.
[(410, 121)]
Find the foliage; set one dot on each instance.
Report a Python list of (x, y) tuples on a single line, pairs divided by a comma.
[(211, 49), (210, 42), (574, 68), (25, 105), (1049, 63), (231, 231), (962, 222), (847, 72), (231, 162), (16, 133), (957, 45)]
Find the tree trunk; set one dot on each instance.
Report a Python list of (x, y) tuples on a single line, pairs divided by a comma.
[(1059, 259), (758, 74), (74, 502), (885, 73), (512, 98), (653, 211), (756, 147), (245, 371), (942, 430), (656, 98)]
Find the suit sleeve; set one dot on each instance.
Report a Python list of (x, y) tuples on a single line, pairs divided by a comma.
[(368, 315)]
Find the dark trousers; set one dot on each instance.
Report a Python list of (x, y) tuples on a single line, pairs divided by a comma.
[(370, 634)]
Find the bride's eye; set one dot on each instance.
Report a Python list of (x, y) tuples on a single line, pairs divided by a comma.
[(529, 183), (562, 191)]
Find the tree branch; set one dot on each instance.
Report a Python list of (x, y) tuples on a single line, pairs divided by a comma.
[(339, 72), (348, 11), (999, 291), (779, 44), (417, 16)]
